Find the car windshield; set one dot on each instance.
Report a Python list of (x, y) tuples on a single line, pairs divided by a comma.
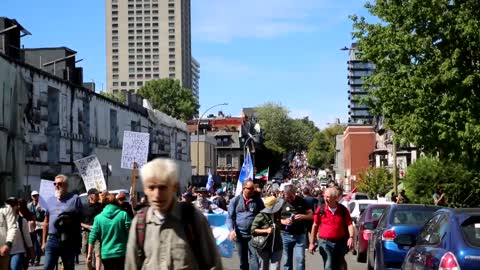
[(361, 197), (471, 231), (377, 213), (412, 216), (363, 206)]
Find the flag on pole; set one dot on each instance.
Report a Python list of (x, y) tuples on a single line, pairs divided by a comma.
[(245, 173), (263, 175), (209, 185)]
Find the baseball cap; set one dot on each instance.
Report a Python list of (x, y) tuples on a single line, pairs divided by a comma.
[(219, 191), (92, 191), (121, 196), (34, 193)]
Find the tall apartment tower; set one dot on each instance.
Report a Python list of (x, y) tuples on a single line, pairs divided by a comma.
[(195, 77), (357, 71), (146, 40)]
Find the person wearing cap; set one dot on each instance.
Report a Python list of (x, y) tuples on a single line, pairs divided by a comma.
[(202, 202), (267, 222), (39, 213), (61, 227), (8, 232), (90, 210), (125, 205), (219, 200)]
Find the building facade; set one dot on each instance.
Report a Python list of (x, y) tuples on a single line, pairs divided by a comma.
[(339, 167), (357, 70), (196, 79), (203, 149), (147, 40)]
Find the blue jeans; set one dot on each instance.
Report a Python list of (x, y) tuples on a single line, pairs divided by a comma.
[(294, 245), (270, 260), (54, 249), (37, 248), (247, 253), (16, 261), (333, 253)]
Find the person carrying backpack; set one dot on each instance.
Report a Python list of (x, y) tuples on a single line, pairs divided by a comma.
[(169, 234), (333, 226)]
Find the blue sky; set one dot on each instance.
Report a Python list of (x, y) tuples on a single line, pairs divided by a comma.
[(250, 51)]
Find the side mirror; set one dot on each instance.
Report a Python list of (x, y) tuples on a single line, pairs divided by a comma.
[(369, 226), (404, 240)]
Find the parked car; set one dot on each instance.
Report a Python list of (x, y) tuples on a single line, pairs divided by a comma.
[(450, 240), (384, 248), (356, 207), (366, 222)]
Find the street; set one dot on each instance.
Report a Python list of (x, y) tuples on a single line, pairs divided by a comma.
[(314, 262)]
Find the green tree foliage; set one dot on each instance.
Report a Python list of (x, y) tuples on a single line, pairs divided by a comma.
[(321, 151), (374, 181), (119, 97), (168, 96), (302, 133), (461, 186), (427, 74), (276, 126)]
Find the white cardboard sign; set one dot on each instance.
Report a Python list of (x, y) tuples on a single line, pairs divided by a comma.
[(91, 172), (135, 149), (47, 191)]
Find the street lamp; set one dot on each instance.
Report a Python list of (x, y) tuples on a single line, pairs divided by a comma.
[(198, 133)]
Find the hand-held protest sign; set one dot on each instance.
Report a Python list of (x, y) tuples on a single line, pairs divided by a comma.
[(134, 149), (91, 171), (47, 191)]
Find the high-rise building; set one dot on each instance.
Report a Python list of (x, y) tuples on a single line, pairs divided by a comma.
[(146, 40), (195, 77), (357, 71)]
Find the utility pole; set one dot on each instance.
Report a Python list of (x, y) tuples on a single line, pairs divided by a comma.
[(394, 168)]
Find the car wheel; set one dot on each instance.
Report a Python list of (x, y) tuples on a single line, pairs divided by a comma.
[(361, 257), (369, 263)]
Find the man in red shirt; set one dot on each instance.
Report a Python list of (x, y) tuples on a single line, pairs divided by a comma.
[(333, 224)]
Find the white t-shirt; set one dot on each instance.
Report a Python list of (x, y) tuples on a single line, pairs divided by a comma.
[(17, 245)]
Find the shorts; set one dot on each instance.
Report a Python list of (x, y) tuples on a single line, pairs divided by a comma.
[(96, 246)]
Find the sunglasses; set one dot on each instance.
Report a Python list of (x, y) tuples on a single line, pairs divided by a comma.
[(58, 184), (249, 188)]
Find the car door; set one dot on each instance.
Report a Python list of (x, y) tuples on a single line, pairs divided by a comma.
[(377, 233)]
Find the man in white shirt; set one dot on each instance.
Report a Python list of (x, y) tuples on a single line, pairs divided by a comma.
[(8, 230)]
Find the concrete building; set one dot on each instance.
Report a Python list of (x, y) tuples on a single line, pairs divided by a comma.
[(339, 167), (196, 78), (48, 122), (147, 40), (206, 147), (358, 144), (357, 71)]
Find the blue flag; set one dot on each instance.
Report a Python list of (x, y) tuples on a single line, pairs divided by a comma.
[(209, 185), (218, 224), (245, 173)]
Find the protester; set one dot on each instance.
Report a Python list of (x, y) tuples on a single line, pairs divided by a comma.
[(295, 214), (90, 211), (219, 200), (202, 203), (312, 203), (125, 205), (111, 228), (439, 197), (8, 232), (185, 240), (187, 197), (143, 203), (241, 213), (267, 222), (22, 247), (39, 213), (402, 197), (336, 234), (61, 228)]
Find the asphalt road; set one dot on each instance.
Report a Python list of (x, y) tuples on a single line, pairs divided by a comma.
[(314, 262)]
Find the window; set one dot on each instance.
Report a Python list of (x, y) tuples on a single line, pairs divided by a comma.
[(139, 44), (123, 83), (229, 160), (155, 18), (171, 31), (131, 44), (115, 64), (171, 49), (114, 6), (114, 32), (115, 44), (114, 13), (139, 83), (131, 25), (115, 83), (139, 31), (130, 6), (171, 69), (115, 77), (155, 44), (131, 57), (171, 24), (139, 12), (171, 62), (171, 56), (171, 37), (171, 12), (115, 57), (155, 11), (148, 56), (131, 32), (115, 25), (148, 63), (156, 76), (132, 91), (139, 37), (155, 24), (147, 37), (115, 51), (114, 19), (131, 50), (139, 76), (411, 216), (171, 43), (171, 75), (130, 12), (155, 63), (471, 231), (155, 69), (139, 69), (131, 70), (140, 57), (147, 31), (147, 19), (147, 25), (147, 44), (155, 50), (148, 69), (131, 76), (139, 19), (131, 83), (155, 37), (139, 50), (146, 6), (171, 5), (139, 25), (115, 38), (155, 31), (156, 56), (147, 50), (171, 18), (139, 63), (139, 5), (131, 63), (154, 5), (148, 76), (131, 37)]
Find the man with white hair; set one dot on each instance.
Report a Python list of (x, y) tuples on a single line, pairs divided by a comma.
[(8, 231), (333, 224), (169, 234), (61, 227)]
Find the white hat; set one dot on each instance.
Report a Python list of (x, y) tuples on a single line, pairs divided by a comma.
[(34, 193)]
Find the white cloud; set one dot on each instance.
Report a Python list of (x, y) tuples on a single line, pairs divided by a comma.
[(225, 20)]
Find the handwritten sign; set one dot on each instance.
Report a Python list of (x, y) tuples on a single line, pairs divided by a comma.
[(47, 191), (91, 172), (135, 149)]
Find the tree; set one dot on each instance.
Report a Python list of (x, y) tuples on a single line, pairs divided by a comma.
[(302, 133), (168, 96), (119, 97), (320, 151), (374, 181), (427, 73), (276, 126)]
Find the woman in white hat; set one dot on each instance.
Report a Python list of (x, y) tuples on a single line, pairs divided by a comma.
[(267, 239)]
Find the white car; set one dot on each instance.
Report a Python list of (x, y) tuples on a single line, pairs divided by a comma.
[(357, 206)]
